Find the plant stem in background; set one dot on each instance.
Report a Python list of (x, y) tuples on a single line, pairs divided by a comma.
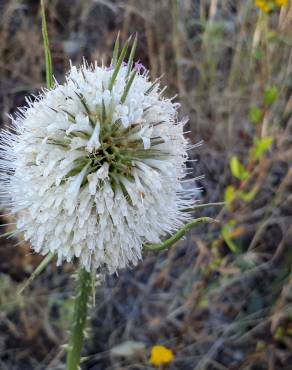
[(179, 234), (83, 291), (48, 57)]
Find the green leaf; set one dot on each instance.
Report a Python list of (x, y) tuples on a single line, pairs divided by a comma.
[(203, 303), (48, 57), (86, 107), (229, 195), (128, 86), (116, 50), (280, 333), (271, 94), (260, 146), (255, 115), (261, 345), (118, 64), (248, 196), (226, 234), (132, 54), (237, 169)]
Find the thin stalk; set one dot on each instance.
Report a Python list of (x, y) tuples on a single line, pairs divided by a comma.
[(48, 57), (203, 205), (176, 237), (83, 291), (41, 267)]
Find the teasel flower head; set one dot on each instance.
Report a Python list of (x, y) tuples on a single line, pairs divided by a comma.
[(93, 168)]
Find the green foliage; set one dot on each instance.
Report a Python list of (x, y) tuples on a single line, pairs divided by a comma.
[(261, 145), (258, 53), (237, 169), (229, 195), (247, 197), (215, 32), (260, 345), (118, 64), (132, 55), (255, 115), (271, 95), (280, 333), (226, 233), (116, 50), (272, 36), (128, 86), (216, 263), (203, 303)]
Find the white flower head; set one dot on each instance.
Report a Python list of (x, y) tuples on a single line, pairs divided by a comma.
[(93, 168)]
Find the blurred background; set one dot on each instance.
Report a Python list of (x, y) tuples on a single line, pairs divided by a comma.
[(222, 298)]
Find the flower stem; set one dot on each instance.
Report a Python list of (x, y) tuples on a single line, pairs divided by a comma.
[(176, 237), (83, 291), (48, 57)]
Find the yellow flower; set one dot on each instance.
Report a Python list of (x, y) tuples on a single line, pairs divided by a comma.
[(161, 355), (268, 5), (264, 5), (282, 2)]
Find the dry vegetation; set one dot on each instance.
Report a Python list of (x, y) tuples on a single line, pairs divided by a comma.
[(222, 298)]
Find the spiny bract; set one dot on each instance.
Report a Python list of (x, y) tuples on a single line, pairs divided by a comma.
[(93, 168)]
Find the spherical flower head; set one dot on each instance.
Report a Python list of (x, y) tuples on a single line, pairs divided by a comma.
[(94, 167), (161, 355)]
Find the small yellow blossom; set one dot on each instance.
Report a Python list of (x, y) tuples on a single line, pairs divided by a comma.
[(269, 5), (161, 355), (265, 6), (282, 2)]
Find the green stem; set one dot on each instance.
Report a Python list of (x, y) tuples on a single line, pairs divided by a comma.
[(48, 57), (40, 268), (176, 237), (83, 291)]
